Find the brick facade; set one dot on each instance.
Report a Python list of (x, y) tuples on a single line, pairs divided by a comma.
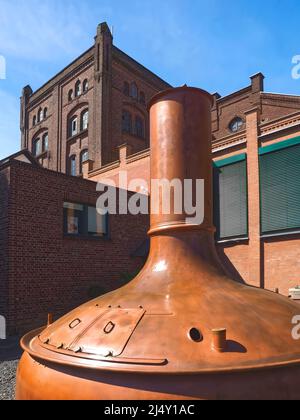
[(49, 272), (264, 119), (4, 230), (267, 119), (105, 70)]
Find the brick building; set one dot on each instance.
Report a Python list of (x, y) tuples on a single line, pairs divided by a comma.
[(91, 121), (55, 252), (90, 108), (256, 150)]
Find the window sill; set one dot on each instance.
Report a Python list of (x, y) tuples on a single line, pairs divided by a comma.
[(39, 124), (125, 133), (76, 98), (42, 155), (134, 101), (86, 237), (233, 240), (280, 234), (80, 134)]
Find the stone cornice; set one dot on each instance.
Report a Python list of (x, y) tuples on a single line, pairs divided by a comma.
[(283, 123), (229, 141)]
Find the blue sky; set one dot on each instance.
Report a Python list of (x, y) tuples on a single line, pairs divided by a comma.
[(215, 44)]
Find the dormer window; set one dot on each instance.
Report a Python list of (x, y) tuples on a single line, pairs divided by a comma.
[(236, 125)]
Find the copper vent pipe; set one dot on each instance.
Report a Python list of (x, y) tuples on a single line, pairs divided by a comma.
[(159, 337)]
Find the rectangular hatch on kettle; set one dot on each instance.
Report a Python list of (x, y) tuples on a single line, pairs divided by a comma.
[(109, 335)]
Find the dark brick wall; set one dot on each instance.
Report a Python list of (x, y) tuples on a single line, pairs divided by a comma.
[(4, 233), (51, 273), (104, 99)]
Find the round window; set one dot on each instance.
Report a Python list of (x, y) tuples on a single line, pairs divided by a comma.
[(236, 125)]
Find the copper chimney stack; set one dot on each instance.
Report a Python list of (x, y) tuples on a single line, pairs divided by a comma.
[(181, 329)]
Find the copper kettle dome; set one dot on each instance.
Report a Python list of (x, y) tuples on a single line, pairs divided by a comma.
[(182, 329)]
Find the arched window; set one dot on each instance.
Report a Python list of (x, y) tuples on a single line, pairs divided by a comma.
[(73, 127), (34, 121), (142, 98), (37, 147), (236, 125), (139, 127), (85, 85), (72, 166), (45, 113), (70, 95), (40, 115), (45, 142), (134, 90), (84, 156), (85, 120), (126, 88), (126, 122), (78, 89)]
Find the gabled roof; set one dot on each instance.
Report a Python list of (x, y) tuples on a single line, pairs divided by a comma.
[(22, 156)]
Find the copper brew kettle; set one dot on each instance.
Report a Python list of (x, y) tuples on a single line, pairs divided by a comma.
[(182, 329)]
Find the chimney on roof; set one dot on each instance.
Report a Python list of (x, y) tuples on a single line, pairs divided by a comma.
[(103, 28), (257, 82)]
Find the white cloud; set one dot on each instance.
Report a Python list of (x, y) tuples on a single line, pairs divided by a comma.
[(42, 30)]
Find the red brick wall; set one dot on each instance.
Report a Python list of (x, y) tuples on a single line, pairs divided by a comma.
[(51, 273), (282, 263), (4, 232), (122, 102), (235, 258), (104, 99)]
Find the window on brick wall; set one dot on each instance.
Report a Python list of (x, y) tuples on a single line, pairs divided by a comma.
[(84, 220), (40, 115), (72, 166), (40, 145), (236, 125), (34, 121), (139, 127), (84, 157), (45, 113), (37, 146), (85, 120), (231, 200), (134, 91), (70, 95), (280, 189), (77, 88), (126, 122), (85, 86), (45, 142), (73, 127)]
